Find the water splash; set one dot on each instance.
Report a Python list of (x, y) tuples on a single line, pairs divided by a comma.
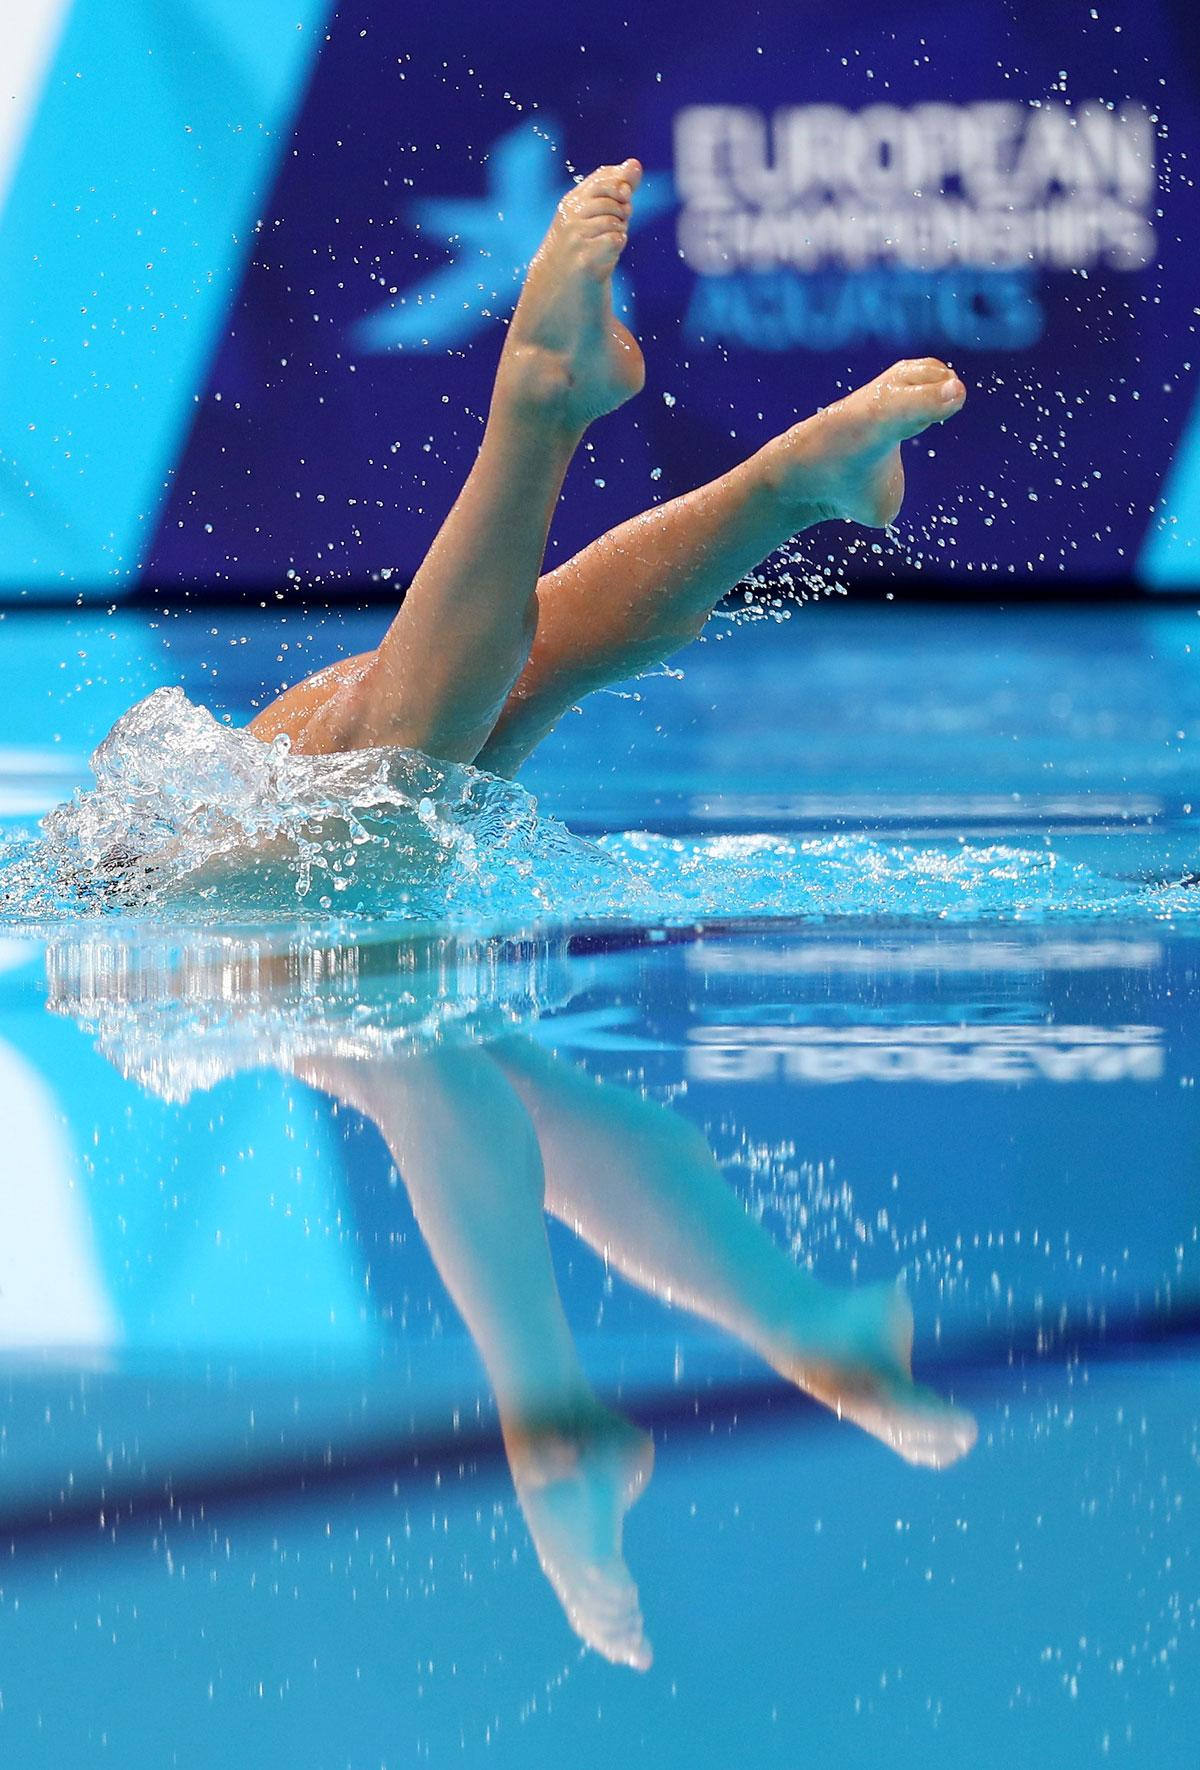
[(859, 875), (193, 821), (191, 817)]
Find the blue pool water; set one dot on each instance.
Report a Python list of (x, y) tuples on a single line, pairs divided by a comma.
[(311, 1435)]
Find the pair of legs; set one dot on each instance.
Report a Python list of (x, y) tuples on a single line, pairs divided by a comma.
[(485, 655), (487, 1139)]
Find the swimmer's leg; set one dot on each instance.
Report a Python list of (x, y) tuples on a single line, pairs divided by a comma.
[(468, 1155), (445, 667), (644, 590), (640, 1184)]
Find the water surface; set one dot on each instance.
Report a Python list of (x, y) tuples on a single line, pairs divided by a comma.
[(329, 1228)]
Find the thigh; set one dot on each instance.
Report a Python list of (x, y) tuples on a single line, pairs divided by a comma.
[(291, 713)]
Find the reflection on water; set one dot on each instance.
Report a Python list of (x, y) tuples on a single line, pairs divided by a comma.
[(262, 1453), (429, 1039)]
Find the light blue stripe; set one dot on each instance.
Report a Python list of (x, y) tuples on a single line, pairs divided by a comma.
[(1170, 556), (129, 221)]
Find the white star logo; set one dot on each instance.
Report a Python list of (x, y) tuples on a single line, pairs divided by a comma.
[(492, 239)]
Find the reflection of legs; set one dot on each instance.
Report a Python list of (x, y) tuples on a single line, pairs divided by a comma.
[(642, 1186), (641, 592), (470, 1161)]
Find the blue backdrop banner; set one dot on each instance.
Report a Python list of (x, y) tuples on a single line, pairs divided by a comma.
[(258, 262)]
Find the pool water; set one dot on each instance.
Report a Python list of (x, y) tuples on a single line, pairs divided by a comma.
[(315, 1441)]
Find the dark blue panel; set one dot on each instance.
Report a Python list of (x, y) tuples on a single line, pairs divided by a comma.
[(1055, 273)]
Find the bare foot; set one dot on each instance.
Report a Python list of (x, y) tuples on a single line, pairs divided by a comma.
[(858, 1361), (575, 1482), (845, 461), (564, 345)]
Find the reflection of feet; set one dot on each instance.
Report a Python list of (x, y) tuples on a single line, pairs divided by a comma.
[(576, 1480), (564, 347), (857, 1360), (845, 461)]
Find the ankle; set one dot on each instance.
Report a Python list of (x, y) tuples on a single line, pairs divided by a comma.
[(547, 1435), (789, 483), (537, 383)]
